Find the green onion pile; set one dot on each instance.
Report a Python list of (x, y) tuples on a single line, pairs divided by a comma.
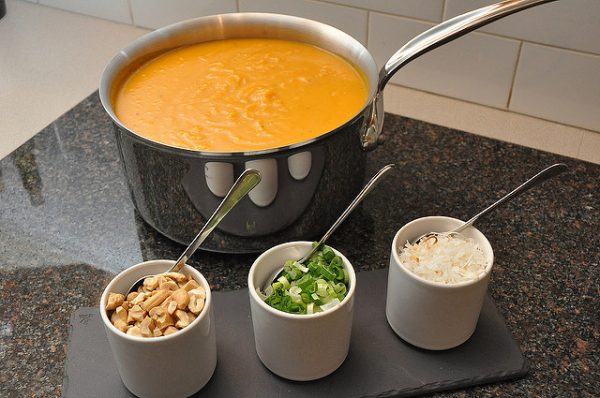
[(309, 288)]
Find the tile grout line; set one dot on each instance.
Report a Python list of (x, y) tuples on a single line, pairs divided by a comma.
[(444, 10), (413, 19), (580, 145), (130, 8), (514, 76), (331, 2), (368, 28), (537, 43)]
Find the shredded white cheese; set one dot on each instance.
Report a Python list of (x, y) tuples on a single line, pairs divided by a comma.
[(445, 258)]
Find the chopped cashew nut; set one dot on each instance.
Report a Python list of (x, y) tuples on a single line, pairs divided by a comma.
[(138, 298), (185, 318), (172, 307), (169, 285), (131, 296), (150, 283), (147, 326), (161, 317), (176, 276), (196, 304), (136, 313), (156, 299), (114, 300), (119, 314), (170, 330), (199, 291), (164, 304), (121, 325), (134, 331), (192, 284), (181, 297)]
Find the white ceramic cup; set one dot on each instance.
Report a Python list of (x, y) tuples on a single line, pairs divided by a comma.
[(177, 365), (293, 346), (427, 314)]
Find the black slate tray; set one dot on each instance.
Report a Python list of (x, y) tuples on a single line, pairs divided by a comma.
[(379, 363)]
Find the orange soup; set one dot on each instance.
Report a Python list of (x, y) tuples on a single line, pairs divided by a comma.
[(240, 95)]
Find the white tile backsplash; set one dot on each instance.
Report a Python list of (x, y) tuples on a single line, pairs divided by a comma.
[(476, 67), (573, 24), (430, 10), (351, 20), (558, 85), (114, 10), (556, 78), (158, 13)]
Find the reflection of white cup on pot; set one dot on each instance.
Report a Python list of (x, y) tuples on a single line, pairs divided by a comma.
[(265, 192), (428, 314), (177, 365), (294, 346)]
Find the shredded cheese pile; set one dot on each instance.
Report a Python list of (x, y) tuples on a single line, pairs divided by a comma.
[(445, 258)]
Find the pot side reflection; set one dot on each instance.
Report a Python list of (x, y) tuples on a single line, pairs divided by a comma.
[(301, 192)]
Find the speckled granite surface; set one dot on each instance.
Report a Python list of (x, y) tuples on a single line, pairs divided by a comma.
[(67, 224)]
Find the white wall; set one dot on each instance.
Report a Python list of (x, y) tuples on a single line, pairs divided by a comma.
[(543, 62)]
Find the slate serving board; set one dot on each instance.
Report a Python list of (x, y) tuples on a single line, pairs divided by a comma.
[(379, 363)]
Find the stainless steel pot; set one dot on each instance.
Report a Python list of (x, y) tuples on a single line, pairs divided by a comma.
[(305, 186)]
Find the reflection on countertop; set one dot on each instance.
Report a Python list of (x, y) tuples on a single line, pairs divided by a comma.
[(67, 224)]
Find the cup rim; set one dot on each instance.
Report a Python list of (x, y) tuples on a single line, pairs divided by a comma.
[(147, 340), (300, 317), (488, 251)]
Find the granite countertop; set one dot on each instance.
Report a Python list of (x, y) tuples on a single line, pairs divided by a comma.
[(67, 225)]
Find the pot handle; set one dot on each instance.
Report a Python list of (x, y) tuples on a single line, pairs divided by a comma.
[(450, 30), (432, 38)]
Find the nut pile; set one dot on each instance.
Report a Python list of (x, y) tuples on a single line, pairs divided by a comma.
[(164, 304)]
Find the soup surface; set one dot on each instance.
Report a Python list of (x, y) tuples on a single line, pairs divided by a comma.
[(240, 95)]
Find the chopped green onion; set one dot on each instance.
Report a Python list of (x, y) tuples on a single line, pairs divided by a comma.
[(327, 274), (330, 304), (262, 296), (301, 267), (283, 280), (318, 285), (339, 287), (328, 254), (321, 288)]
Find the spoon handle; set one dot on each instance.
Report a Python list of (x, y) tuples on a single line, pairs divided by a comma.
[(537, 179), (367, 188), (244, 184)]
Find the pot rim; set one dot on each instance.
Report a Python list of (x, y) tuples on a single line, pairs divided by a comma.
[(323, 30)]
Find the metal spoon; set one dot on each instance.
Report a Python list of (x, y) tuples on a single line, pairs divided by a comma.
[(361, 195), (537, 179), (244, 184)]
